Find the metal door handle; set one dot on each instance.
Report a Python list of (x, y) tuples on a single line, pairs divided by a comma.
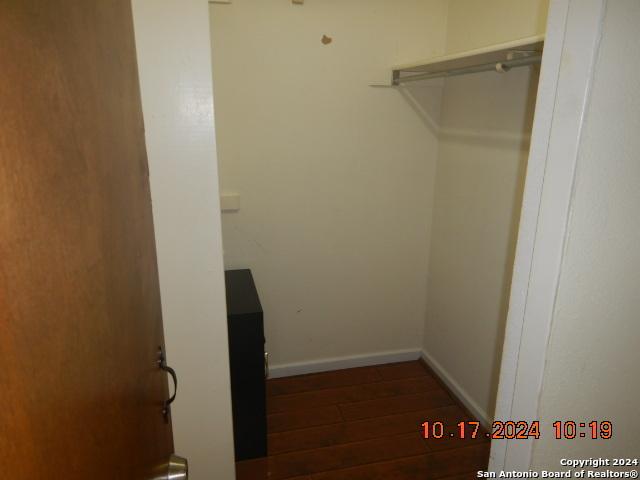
[(178, 468), (162, 363), (167, 403)]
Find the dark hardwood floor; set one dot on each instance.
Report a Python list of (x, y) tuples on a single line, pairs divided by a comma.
[(364, 424)]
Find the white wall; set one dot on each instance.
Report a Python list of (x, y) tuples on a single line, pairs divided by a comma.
[(592, 359), (335, 177), (172, 38), (472, 23), (486, 122)]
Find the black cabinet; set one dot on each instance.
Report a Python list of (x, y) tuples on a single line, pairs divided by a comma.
[(247, 363)]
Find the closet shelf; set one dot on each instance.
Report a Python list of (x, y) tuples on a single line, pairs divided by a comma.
[(500, 57)]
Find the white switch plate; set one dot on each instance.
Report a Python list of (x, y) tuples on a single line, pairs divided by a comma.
[(230, 202)]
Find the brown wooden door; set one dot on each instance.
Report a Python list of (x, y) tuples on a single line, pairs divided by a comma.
[(80, 322)]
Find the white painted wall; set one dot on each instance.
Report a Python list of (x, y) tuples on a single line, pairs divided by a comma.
[(472, 23), (172, 38), (484, 144), (335, 178), (592, 358), (480, 177)]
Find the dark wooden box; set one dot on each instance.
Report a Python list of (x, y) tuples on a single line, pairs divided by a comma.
[(247, 362)]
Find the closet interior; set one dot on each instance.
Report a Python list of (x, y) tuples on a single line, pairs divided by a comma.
[(372, 159)]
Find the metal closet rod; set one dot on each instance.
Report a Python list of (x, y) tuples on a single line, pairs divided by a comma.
[(497, 66)]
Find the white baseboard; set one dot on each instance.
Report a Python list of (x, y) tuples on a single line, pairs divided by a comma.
[(340, 363), (461, 394)]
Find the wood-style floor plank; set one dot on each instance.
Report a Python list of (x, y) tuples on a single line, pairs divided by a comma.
[(462, 476), (281, 422), (324, 380), (396, 371), (393, 405), (408, 468), (364, 423), (258, 469), (358, 430), (344, 456), (438, 465), (458, 461), (355, 393)]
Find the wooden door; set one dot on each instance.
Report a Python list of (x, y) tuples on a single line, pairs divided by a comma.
[(81, 394)]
